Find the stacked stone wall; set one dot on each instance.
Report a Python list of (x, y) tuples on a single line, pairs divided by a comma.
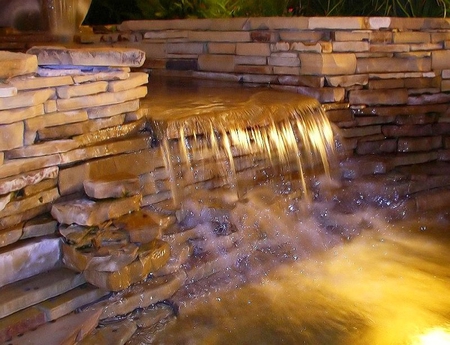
[(384, 81)]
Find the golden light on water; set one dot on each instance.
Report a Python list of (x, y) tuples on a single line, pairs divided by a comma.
[(434, 336), (281, 134)]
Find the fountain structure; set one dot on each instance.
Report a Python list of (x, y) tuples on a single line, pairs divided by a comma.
[(121, 214)]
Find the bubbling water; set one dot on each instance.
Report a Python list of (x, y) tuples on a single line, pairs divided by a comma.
[(273, 133)]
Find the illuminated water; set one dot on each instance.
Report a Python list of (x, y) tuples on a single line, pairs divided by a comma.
[(319, 275)]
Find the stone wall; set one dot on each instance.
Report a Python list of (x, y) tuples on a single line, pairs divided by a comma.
[(384, 81)]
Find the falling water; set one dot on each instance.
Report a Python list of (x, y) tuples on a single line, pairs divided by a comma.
[(270, 133)]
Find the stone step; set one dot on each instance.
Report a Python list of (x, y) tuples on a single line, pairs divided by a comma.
[(33, 290), (67, 330), (27, 258), (112, 186), (49, 310)]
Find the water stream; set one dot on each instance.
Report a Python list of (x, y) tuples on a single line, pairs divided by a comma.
[(302, 270)]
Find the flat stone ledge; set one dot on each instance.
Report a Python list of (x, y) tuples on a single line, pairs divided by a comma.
[(98, 56)]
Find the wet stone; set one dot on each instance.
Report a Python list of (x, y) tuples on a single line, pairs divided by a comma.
[(112, 186), (117, 333)]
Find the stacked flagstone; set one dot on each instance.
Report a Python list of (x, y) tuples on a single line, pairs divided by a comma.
[(384, 81), (58, 108)]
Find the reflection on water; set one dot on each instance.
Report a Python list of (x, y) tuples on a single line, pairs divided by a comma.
[(390, 285)]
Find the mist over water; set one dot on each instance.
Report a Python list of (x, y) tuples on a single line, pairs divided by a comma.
[(388, 285), (270, 264)]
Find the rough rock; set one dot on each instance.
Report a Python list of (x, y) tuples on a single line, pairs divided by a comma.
[(14, 64), (89, 212), (112, 186), (99, 56)]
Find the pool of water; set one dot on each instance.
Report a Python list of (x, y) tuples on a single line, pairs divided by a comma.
[(389, 285), (384, 283)]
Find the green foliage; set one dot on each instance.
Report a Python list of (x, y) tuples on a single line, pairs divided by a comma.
[(116, 11)]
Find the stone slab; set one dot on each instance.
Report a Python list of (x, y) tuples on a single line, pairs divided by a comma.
[(92, 88), (14, 64), (79, 128), (92, 56), (26, 99), (88, 212), (7, 90), (112, 186), (19, 114), (63, 304), (32, 82), (136, 79), (10, 235), (20, 181), (46, 184), (106, 98), (11, 136), (67, 330), (22, 204), (39, 226), (42, 149), (114, 109), (27, 258), (36, 289), (141, 295), (55, 119), (117, 333)]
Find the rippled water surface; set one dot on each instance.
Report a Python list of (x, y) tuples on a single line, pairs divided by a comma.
[(389, 285)]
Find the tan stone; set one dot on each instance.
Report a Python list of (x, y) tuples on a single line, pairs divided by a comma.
[(10, 235), (284, 59), (303, 36), (26, 99), (306, 47), (102, 76), (253, 49), (102, 99), (137, 143), (39, 226), (219, 36), (14, 64), (111, 110), (11, 136), (7, 90), (341, 23), (378, 84), (11, 221), (350, 46), (88, 212), (221, 48), (283, 70), (32, 82), (347, 80), (50, 106), (419, 144), (389, 48), (142, 295), (112, 186), (69, 329), (20, 181), (372, 97), (152, 256), (78, 128), (190, 48), (24, 259), (43, 149), (19, 114), (411, 37), (143, 226), (20, 322), (21, 205), (113, 132), (66, 303), (216, 63), (327, 64), (98, 56), (116, 333), (55, 119), (353, 35), (311, 81), (250, 60), (324, 95), (82, 90), (253, 69), (386, 65), (39, 187), (136, 79), (137, 163)]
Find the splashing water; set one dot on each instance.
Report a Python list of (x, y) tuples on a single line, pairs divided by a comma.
[(270, 133)]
